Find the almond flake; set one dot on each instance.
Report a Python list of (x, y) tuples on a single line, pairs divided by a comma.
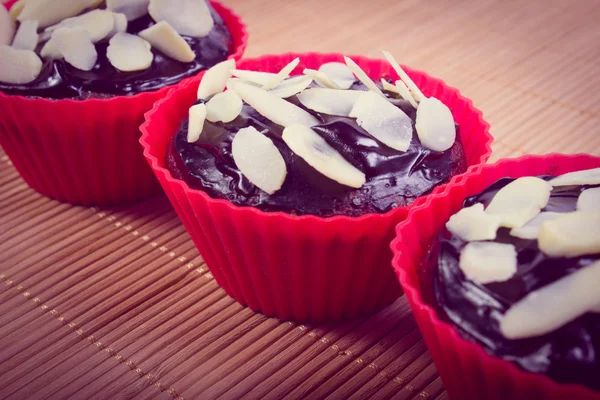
[(330, 101), (50, 49), (197, 116), (292, 86), (120, 24), (187, 17), (15, 10), (75, 46), (257, 78), (553, 306), (487, 262), (258, 159), (571, 235), (312, 148), (17, 66), (163, 37), (531, 230), (589, 200), (473, 223), (435, 125), (7, 27), (382, 120), (585, 177), (50, 12), (339, 73), (283, 74), (321, 78), (276, 109), (98, 23), (224, 107), (362, 76), (416, 92), (400, 89), (128, 52), (215, 79), (133, 9), (520, 201), (27, 36)]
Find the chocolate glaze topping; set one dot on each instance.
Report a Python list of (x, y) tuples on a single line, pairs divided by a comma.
[(394, 178), (569, 354), (59, 80)]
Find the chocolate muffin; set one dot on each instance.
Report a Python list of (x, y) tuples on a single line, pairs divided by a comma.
[(95, 49), (518, 271), (327, 142)]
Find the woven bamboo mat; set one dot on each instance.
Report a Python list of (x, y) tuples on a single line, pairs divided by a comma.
[(117, 303)]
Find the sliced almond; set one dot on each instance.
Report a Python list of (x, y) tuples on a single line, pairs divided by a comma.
[(120, 24), (224, 107), (312, 148), (339, 73), (401, 89), (133, 9), (276, 109), (15, 10), (487, 262), (589, 200), (291, 86), (585, 177), (553, 306), (258, 159), (128, 52), (382, 120), (50, 49), (163, 37), (531, 230), (520, 201), (330, 101), (258, 78), (416, 92), (571, 235), (362, 76), (187, 17), (50, 12), (75, 46), (27, 36), (7, 27), (281, 75), (215, 79), (473, 223), (17, 66), (435, 125), (197, 116), (98, 23), (321, 78)]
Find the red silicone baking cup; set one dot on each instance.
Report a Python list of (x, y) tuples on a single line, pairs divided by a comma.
[(87, 151), (467, 371), (303, 268)]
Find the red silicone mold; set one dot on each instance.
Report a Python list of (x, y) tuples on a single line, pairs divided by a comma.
[(87, 152), (303, 268), (467, 371)]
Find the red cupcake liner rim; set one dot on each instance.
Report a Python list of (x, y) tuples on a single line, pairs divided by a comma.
[(414, 292), (156, 165), (239, 34)]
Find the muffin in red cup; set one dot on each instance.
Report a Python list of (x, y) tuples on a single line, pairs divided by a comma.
[(293, 208), (75, 83), (501, 270)]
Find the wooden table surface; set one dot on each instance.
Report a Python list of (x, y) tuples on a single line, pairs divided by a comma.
[(117, 303)]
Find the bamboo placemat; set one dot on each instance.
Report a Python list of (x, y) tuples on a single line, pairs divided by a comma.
[(117, 303)]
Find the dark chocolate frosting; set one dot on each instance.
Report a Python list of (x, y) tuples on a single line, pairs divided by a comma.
[(394, 178), (59, 80), (569, 354)]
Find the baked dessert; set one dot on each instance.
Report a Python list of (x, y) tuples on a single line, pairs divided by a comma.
[(518, 270), (60, 49), (327, 142)]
